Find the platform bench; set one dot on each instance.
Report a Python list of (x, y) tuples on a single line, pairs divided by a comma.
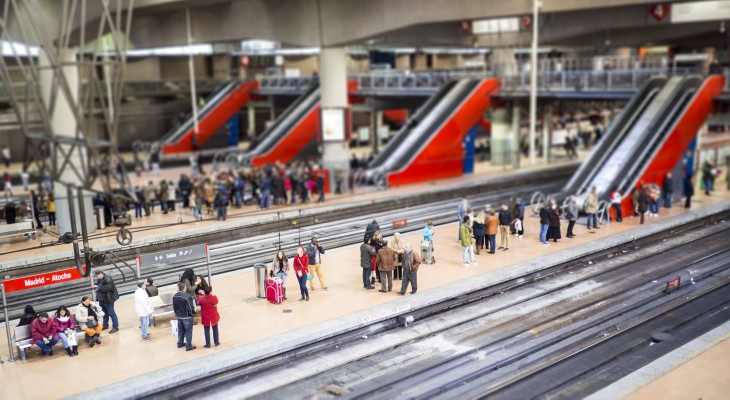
[(17, 229), (161, 306)]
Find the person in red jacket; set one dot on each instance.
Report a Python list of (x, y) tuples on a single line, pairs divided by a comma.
[(209, 314), (43, 331), (301, 267)]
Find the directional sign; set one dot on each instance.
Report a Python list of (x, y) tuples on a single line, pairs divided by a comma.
[(175, 255)]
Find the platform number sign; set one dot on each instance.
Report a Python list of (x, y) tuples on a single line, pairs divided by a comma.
[(672, 284)]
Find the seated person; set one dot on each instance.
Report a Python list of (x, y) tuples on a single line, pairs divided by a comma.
[(151, 289), (43, 331), (66, 328), (28, 317), (89, 321)]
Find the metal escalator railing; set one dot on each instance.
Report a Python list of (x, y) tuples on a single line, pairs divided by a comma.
[(211, 102), (615, 133), (432, 124), (420, 114), (650, 146)]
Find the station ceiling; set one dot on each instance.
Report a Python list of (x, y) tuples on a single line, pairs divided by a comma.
[(158, 23)]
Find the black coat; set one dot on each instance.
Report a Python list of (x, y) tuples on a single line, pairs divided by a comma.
[(371, 228), (554, 217), (107, 290), (505, 217), (544, 216), (479, 229)]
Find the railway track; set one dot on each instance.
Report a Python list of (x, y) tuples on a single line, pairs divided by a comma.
[(556, 334), (244, 253)]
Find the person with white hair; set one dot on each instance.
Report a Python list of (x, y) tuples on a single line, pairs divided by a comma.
[(411, 262)]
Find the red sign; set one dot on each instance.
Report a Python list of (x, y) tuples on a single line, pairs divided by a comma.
[(672, 284), (45, 279), (399, 223), (465, 26), (659, 12), (526, 21), (243, 61)]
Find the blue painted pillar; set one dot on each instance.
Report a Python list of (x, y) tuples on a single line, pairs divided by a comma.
[(469, 148), (232, 126)]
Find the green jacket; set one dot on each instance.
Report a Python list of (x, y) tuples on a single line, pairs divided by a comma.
[(465, 233)]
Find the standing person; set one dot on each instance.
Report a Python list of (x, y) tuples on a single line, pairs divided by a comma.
[(301, 267), (107, 294), (466, 242), (519, 213), (155, 160), (43, 331), (184, 309), (667, 190), (138, 204), (191, 281), (480, 230), (505, 217), (411, 262), (366, 254), (280, 268), (88, 318), (689, 191), (371, 229), (386, 263), (461, 213), (320, 188), (397, 245), (142, 307), (571, 213), (51, 209), (643, 202), (149, 195), (544, 224), (66, 330), (428, 233), (616, 203), (314, 254), (492, 228), (554, 217), (25, 178), (592, 209), (163, 196), (209, 314), (6, 156), (8, 181), (378, 243), (265, 192)]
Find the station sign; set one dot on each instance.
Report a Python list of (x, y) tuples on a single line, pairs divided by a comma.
[(174, 256), (40, 280), (400, 223), (672, 284)]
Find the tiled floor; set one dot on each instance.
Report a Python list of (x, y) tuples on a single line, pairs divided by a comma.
[(246, 319)]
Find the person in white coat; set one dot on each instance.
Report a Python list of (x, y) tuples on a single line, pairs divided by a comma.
[(142, 306)]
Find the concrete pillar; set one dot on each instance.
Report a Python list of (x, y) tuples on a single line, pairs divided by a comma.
[(503, 61), (251, 131), (500, 141), (63, 123), (547, 129), (515, 131), (333, 89)]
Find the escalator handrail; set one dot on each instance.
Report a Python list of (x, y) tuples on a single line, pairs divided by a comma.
[(211, 102), (623, 123), (282, 125), (439, 120), (425, 109), (649, 151), (642, 131)]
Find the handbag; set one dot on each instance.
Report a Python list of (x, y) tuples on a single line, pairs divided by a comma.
[(72, 339), (99, 312), (91, 324)]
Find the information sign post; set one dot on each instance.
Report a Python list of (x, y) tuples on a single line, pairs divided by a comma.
[(180, 255)]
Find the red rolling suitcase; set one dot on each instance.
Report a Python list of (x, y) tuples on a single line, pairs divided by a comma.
[(274, 290)]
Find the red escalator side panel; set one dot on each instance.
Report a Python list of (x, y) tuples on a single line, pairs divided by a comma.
[(397, 116), (443, 156), (353, 85), (215, 119), (294, 142), (680, 138)]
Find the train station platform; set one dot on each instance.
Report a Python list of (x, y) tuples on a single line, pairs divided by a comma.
[(246, 319), (158, 225)]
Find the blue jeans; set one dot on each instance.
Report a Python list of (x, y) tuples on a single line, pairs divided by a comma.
[(492, 242), (303, 285), (221, 212), (543, 232), (321, 196), (654, 206), (667, 199), (137, 210), (47, 347), (206, 329), (592, 221), (64, 339), (108, 309), (185, 332), (366, 277), (144, 322), (282, 276), (265, 195)]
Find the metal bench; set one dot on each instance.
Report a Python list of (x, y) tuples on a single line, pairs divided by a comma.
[(19, 228), (23, 340)]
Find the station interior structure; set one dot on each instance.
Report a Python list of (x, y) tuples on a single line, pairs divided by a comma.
[(144, 138)]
